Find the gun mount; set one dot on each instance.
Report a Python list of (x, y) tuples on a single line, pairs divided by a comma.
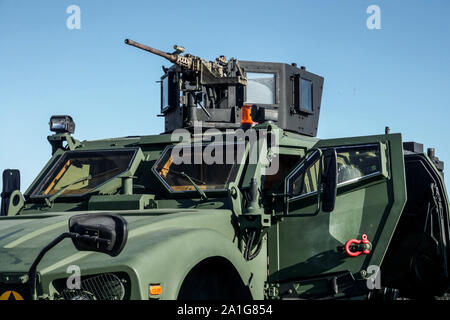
[(210, 94)]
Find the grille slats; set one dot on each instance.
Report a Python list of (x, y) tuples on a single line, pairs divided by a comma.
[(100, 287)]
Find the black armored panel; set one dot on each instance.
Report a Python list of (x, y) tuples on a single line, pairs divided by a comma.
[(212, 94), (284, 94)]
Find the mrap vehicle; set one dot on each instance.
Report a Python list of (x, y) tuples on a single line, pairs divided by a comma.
[(207, 211)]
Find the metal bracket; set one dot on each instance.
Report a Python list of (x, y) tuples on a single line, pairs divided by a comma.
[(56, 141)]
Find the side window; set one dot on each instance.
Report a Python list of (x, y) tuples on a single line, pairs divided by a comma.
[(306, 95), (307, 182), (356, 162), (303, 181), (303, 94)]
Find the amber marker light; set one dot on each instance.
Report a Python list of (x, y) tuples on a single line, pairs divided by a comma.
[(155, 289), (246, 115)]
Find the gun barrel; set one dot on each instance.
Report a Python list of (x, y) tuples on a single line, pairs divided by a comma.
[(160, 53)]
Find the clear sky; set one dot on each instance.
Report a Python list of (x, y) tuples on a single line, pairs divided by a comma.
[(396, 76)]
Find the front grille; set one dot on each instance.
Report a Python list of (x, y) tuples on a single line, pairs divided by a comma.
[(105, 286)]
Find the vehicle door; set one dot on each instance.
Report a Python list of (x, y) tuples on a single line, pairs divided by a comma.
[(370, 196)]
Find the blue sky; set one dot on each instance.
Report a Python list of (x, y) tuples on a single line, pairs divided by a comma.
[(398, 76)]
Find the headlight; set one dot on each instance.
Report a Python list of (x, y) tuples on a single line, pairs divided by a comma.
[(62, 124), (107, 286)]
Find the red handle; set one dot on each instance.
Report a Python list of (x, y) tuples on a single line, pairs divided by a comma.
[(363, 240)]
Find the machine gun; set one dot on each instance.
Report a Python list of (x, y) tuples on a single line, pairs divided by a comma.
[(210, 94), (211, 73), (203, 90)]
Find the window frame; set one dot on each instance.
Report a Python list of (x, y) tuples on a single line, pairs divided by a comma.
[(225, 189), (302, 109), (310, 160), (173, 91), (133, 163), (301, 166), (276, 74), (298, 94), (380, 164)]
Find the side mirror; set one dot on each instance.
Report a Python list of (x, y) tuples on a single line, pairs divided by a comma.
[(99, 232), (329, 179), (11, 183), (106, 233)]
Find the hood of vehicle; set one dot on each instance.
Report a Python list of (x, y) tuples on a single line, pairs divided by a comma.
[(23, 237)]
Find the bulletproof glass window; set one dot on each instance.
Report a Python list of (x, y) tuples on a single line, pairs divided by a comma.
[(165, 93), (213, 173), (307, 181), (353, 162), (260, 88), (302, 181), (306, 95), (79, 172), (356, 162), (170, 91)]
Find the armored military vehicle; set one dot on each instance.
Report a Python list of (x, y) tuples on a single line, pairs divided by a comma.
[(236, 199)]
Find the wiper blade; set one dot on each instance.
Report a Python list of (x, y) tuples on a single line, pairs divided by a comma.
[(200, 191), (50, 199), (184, 175)]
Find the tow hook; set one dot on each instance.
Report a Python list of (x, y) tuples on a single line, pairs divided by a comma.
[(355, 247)]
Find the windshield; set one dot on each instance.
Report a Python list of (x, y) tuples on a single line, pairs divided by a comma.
[(210, 167), (79, 172)]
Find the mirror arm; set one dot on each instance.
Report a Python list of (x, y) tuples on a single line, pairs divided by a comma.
[(32, 273)]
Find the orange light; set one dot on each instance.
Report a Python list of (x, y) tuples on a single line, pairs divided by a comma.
[(155, 290), (246, 115)]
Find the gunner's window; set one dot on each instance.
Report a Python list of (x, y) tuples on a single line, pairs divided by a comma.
[(306, 95), (170, 91), (260, 88), (165, 93)]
